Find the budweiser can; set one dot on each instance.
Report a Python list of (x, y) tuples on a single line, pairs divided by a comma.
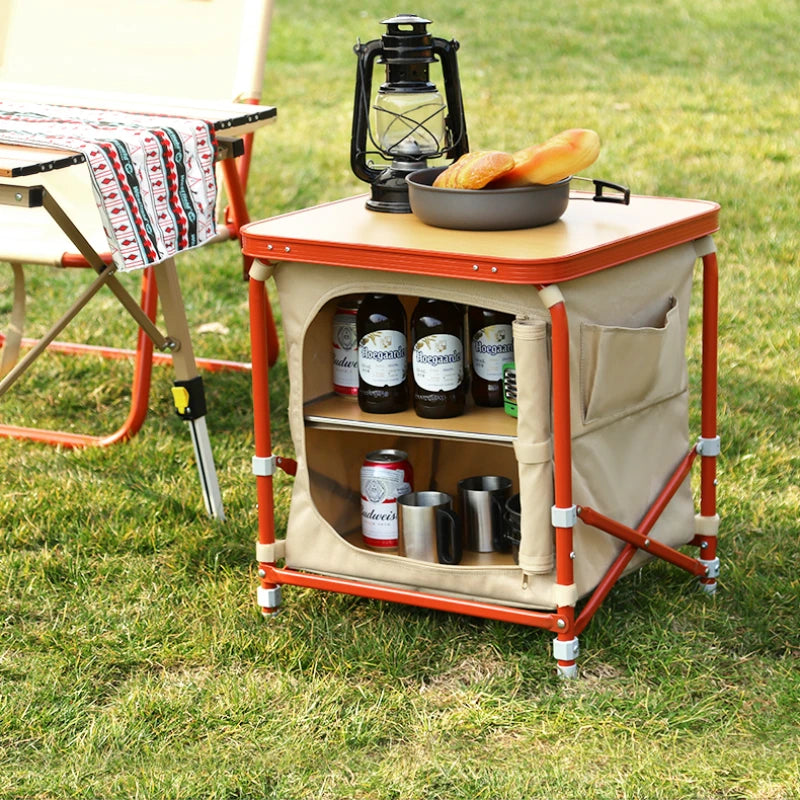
[(345, 348), (385, 475)]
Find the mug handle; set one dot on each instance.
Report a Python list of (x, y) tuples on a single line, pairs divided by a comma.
[(500, 542), (448, 536)]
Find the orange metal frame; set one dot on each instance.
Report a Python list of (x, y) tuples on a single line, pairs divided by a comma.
[(565, 622), (235, 173)]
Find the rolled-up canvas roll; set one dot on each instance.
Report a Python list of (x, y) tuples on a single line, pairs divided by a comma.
[(533, 445)]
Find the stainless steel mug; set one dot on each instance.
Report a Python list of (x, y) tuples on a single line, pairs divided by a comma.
[(427, 527), (512, 519), (482, 501)]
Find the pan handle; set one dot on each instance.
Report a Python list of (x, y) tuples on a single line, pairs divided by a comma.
[(624, 196)]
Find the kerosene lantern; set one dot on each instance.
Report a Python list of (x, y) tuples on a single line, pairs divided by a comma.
[(412, 121)]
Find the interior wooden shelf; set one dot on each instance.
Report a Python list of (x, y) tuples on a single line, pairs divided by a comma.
[(469, 559), (476, 424)]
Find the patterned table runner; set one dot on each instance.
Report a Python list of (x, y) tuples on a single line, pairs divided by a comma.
[(153, 176)]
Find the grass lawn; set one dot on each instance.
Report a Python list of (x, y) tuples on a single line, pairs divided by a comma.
[(133, 660)]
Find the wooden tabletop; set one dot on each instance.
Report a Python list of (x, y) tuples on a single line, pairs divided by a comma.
[(589, 237)]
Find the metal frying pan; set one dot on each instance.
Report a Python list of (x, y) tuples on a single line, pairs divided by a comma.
[(496, 209)]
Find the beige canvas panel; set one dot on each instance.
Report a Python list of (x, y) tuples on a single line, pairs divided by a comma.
[(200, 49), (620, 462)]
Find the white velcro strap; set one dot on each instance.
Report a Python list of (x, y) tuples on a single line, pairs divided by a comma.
[(259, 271), (706, 526), (709, 447), (551, 296), (564, 517), (270, 553), (565, 595), (704, 246), (264, 466), (533, 452)]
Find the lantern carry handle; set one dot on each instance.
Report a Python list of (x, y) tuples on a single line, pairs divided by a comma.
[(367, 53), (456, 120)]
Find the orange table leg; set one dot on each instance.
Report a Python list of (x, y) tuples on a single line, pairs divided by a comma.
[(264, 462), (709, 441), (237, 211), (565, 645)]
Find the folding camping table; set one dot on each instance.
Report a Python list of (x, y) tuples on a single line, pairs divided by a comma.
[(34, 213), (600, 452)]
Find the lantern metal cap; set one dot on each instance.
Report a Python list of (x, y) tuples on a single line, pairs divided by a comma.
[(406, 19)]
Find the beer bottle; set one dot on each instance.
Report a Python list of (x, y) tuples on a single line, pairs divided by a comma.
[(437, 358), (492, 345), (382, 357)]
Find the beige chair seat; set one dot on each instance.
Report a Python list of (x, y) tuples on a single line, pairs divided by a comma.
[(31, 236)]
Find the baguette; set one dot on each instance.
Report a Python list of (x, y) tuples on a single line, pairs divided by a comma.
[(562, 155)]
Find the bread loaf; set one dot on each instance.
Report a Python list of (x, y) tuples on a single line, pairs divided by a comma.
[(474, 170)]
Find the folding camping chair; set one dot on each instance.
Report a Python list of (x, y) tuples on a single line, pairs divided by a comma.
[(203, 51)]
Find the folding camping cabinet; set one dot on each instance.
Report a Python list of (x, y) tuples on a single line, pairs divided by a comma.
[(209, 53), (600, 451), (47, 211)]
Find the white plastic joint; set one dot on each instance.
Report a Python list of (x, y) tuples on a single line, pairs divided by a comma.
[(565, 595), (708, 447), (712, 567), (270, 553), (564, 517), (566, 650), (269, 598), (259, 271), (264, 466), (706, 526), (551, 296)]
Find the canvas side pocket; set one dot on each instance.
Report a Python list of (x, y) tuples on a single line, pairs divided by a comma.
[(623, 370)]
